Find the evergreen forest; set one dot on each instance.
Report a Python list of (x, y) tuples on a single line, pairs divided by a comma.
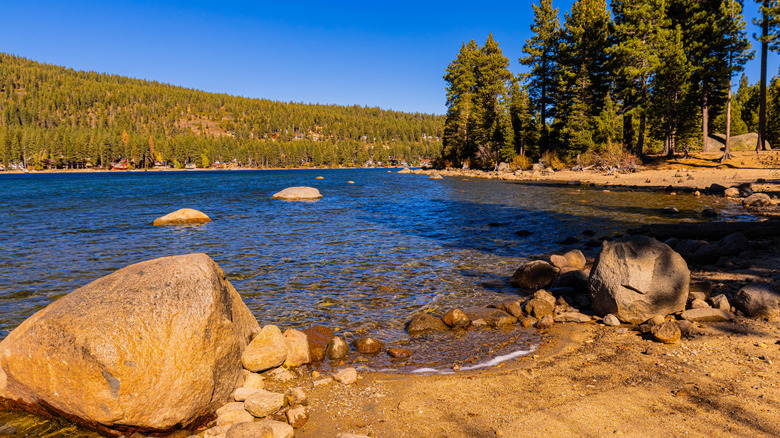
[(612, 83), (52, 117)]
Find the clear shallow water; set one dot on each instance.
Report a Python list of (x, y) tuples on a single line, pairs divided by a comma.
[(362, 259)]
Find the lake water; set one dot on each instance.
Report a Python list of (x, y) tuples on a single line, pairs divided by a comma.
[(362, 260)]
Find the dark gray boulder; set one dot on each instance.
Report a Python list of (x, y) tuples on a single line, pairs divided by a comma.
[(637, 278)]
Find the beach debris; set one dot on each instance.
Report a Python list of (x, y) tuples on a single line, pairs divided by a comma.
[(638, 277), (182, 217), (298, 194), (267, 350)]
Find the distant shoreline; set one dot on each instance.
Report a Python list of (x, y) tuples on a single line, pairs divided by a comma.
[(38, 172)]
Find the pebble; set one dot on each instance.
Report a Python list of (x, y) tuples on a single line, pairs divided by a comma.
[(254, 381), (297, 416), (611, 320), (322, 382), (242, 394), (234, 416), (347, 376), (296, 396), (456, 318), (667, 332), (545, 323), (399, 353)]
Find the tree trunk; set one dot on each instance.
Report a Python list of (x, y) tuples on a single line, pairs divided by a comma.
[(628, 132), (705, 116), (760, 143), (640, 142), (727, 149)]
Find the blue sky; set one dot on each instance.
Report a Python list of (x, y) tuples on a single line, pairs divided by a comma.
[(386, 54)]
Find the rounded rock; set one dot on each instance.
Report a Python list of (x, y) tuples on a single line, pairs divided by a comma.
[(534, 275), (263, 403), (298, 194), (297, 348), (182, 217), (667, 333), (455, 318), (347, 376), (611, 320), (337, 349), (545, 322), (399, 353), (249, 430), (267, 350), (367, 345), (425, 322)]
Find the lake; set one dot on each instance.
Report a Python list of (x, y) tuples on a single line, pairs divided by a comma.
[(364, 258)]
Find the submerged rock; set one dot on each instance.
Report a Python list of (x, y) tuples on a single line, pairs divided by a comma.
[(637, 278), (182, 217), (425, 322), (367, 345), (534, 275), (483, 316), (297, 194), (337, 349), (455, 318), (102, 355)]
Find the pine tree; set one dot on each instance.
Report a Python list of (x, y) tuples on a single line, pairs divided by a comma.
[(461, 79), (737, 47), (765, 39), (669, 86), (583, 61), (490, 123), (542, 59), (523, 126), (640, 32)]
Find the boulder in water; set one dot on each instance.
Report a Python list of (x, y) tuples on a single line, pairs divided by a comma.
[(182, 217), (150, 348), (298, 194)]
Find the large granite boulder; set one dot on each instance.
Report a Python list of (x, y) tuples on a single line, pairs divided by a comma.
[(153, 347), (182, 217), (298, 194), (637, 278)]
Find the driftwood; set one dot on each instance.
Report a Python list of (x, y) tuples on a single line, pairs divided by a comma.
[(709, 230)]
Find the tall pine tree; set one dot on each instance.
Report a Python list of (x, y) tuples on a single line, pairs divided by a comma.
[(542, 59), (640, 33), (461, 78)]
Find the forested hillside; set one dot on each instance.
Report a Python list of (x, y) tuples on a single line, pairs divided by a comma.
[(613, 80), (57, 117)]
